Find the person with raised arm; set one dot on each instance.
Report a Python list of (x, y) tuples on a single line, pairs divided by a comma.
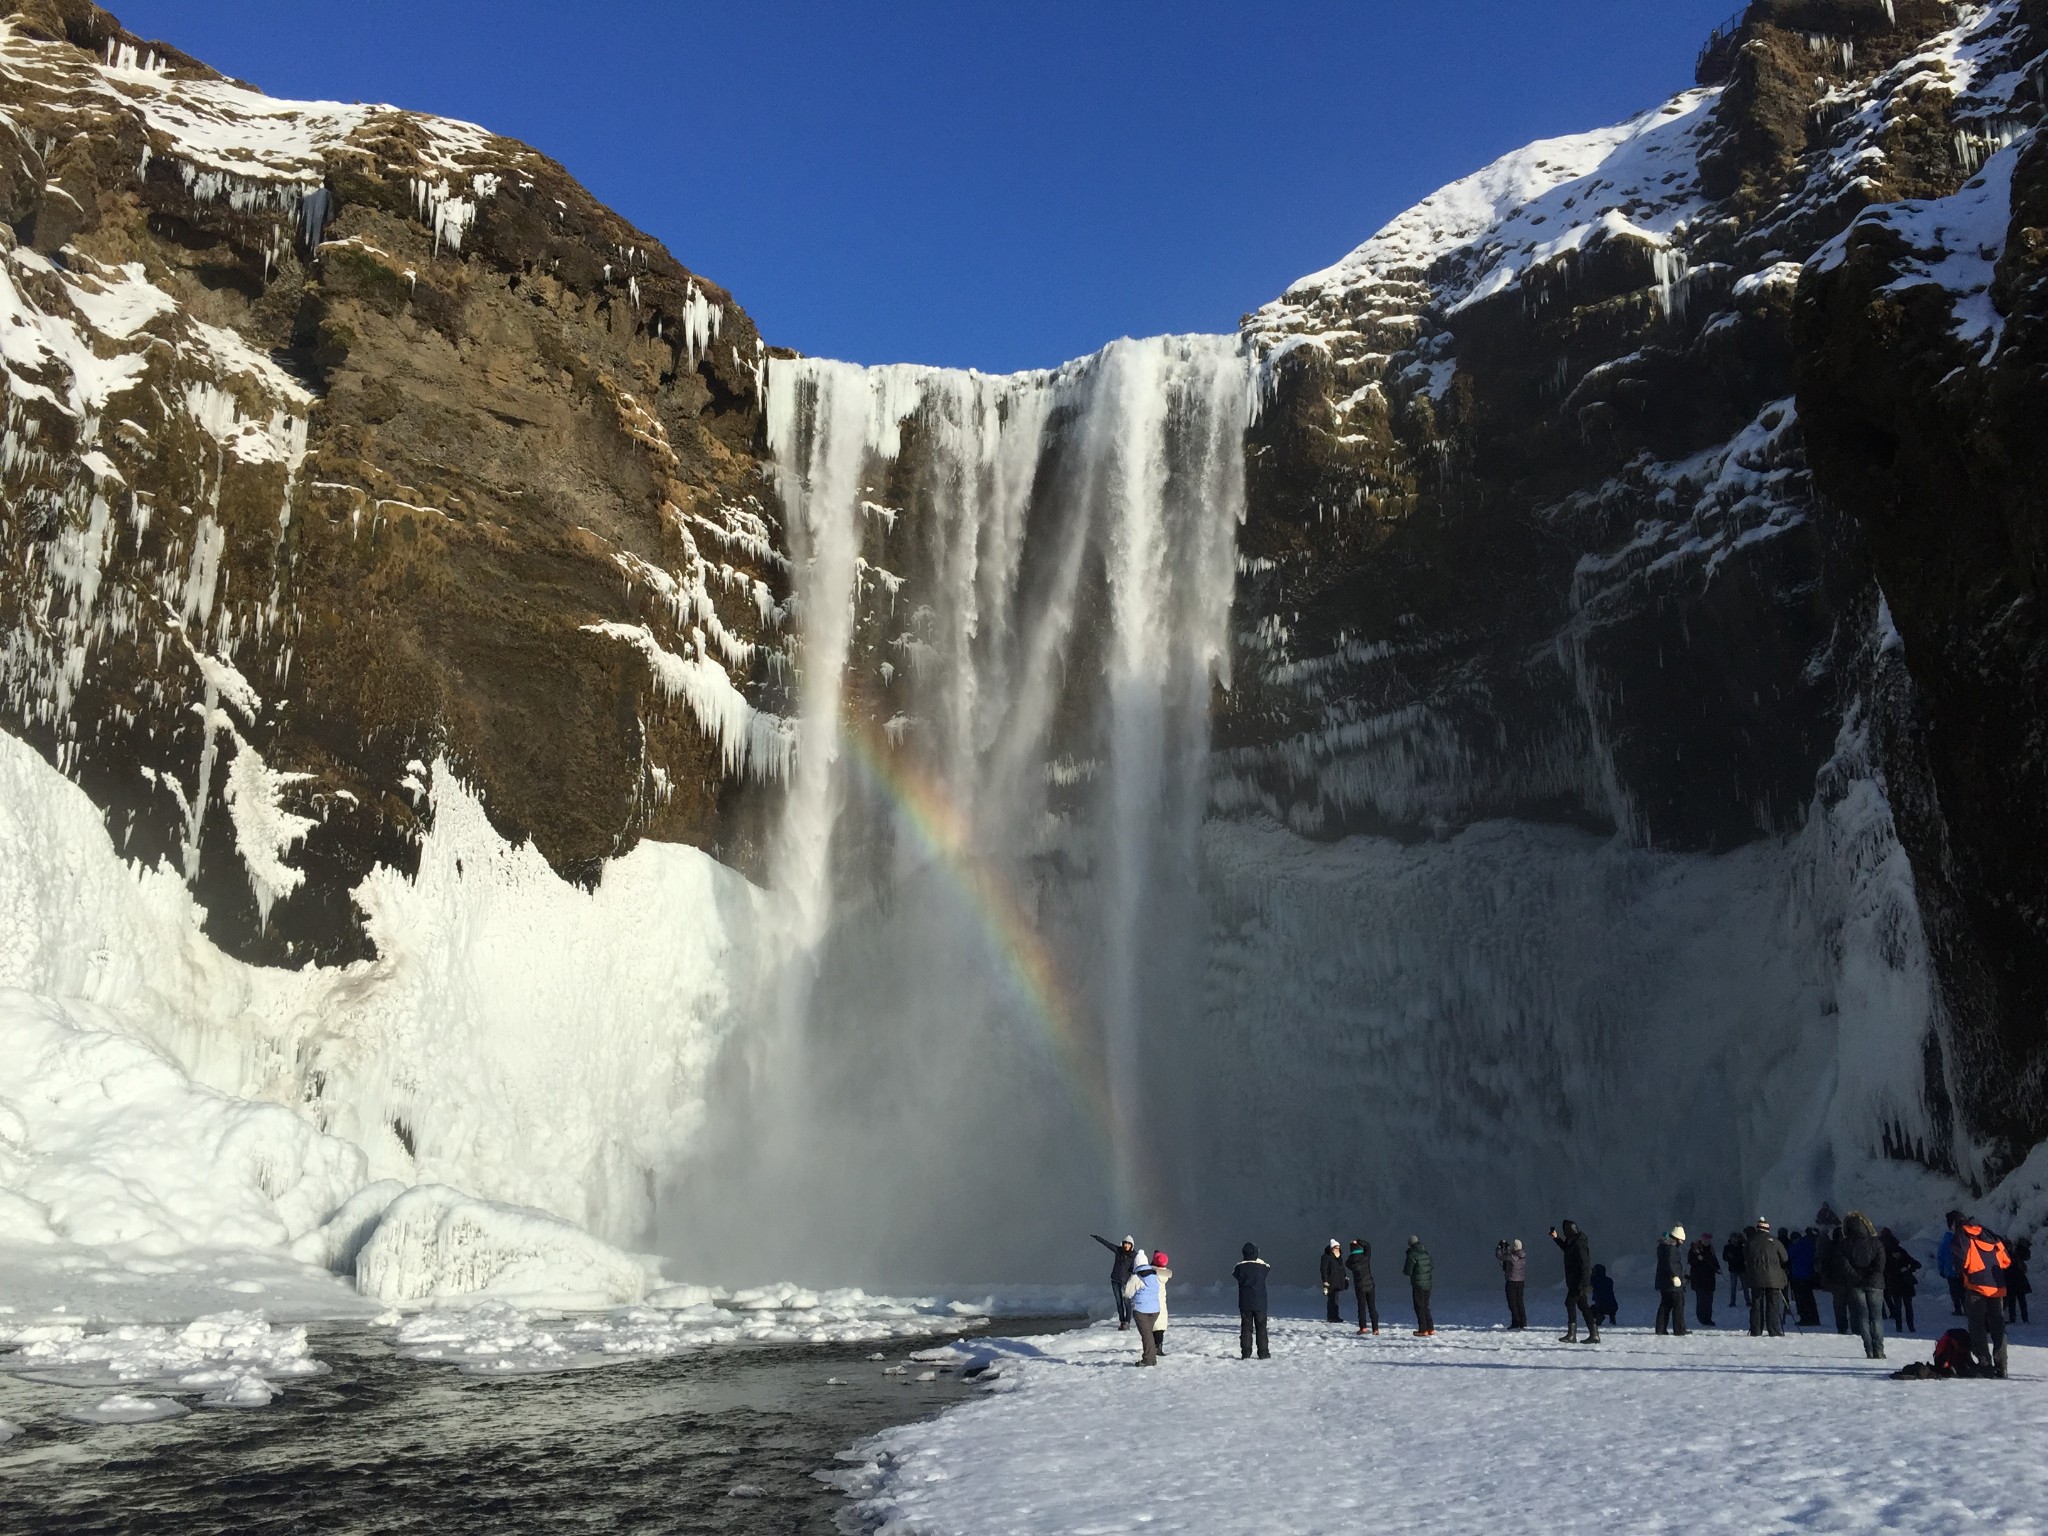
[(1577, 1249), (1123, 1259), (1514, 1269), (1335, 1279)]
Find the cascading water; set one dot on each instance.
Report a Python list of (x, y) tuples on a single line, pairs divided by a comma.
[(1015, 594)]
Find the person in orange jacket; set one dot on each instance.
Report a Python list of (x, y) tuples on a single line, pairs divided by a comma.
[(1981, 1262)]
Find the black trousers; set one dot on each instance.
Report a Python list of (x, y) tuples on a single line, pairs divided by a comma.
[(1898, 1309), (1955, 1296), (1330, 1298), (1251, 1328), (2016, 1307), (1766, 1312), (1987, 1329), (1839, 1294), (1123, 1305), (1671, 1310), (1426, 1323), (1369, 1307), (1518, 1317), (1703, 1302), (1808, 1309), (1578, 1304)]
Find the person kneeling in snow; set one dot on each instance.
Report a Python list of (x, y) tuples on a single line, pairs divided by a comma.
[(1952, 1358), (1251, 1303), (1606, 1305), (1147, 1290)]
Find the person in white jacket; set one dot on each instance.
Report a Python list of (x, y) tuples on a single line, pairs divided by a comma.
[(1147, 1290)]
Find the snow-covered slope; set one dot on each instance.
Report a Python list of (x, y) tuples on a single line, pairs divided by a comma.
[(526, 1040)]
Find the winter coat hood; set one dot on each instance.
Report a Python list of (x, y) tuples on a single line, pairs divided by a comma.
[(1251, 1250)]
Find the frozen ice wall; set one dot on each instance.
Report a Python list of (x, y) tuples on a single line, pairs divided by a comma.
[(1016, 595)]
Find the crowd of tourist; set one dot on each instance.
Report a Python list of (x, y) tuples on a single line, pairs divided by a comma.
[(1777, 1275)]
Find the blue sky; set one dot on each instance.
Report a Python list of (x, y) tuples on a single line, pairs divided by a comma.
[(989, 185)]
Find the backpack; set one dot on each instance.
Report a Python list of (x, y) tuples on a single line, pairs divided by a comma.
[(1984, 1261)]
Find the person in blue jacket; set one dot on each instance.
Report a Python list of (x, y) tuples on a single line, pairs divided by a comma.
[(1251, 1303), (1800, 1259), (1947, 1265), (1147, 1290)]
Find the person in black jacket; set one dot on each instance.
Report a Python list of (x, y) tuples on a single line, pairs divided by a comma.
[(1335, 1280), (1765, 1259), (1578, 1282), (1899, 1285), (1671, 1282), (1738, 1270), (1123, 1260), (1359, 1262), (1251, 1303), (2018, 1286), (1859, 1259), (1704, 1270), (1828, 1273)]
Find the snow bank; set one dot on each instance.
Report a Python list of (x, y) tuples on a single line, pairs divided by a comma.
[(1514, 1432), (104, 1142), (497, 1339), (518, 1037), (438, 1242), (233, 1359)]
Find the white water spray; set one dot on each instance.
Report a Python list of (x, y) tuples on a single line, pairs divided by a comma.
[(1015, 594)]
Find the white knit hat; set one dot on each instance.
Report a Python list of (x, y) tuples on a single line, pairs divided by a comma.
[(1678, 1232)]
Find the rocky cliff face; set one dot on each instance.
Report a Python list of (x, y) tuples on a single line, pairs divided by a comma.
[(1678, 481), (1594, 489), (339, 439)]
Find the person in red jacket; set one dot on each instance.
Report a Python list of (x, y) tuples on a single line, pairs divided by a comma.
[(1981, 1262)]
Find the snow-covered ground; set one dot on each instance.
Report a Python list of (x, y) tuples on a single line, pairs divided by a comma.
[(1476, 1429)]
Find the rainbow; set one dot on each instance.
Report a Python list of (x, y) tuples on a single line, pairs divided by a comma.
[(936, 823)]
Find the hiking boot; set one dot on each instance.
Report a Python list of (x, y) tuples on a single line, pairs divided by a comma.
[(1375, 1330), (1592, 1338), (1567, 1338)]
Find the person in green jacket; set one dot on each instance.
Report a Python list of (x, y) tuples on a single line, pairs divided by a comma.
[(1421, 1272)]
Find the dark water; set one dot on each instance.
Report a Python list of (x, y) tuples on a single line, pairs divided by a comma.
[(381, 1444)]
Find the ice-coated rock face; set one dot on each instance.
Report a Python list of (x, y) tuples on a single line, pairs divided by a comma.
[(1543, 524), (274, 512), (436, 1242)]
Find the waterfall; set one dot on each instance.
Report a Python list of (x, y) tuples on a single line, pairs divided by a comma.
[(1015, 597)]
